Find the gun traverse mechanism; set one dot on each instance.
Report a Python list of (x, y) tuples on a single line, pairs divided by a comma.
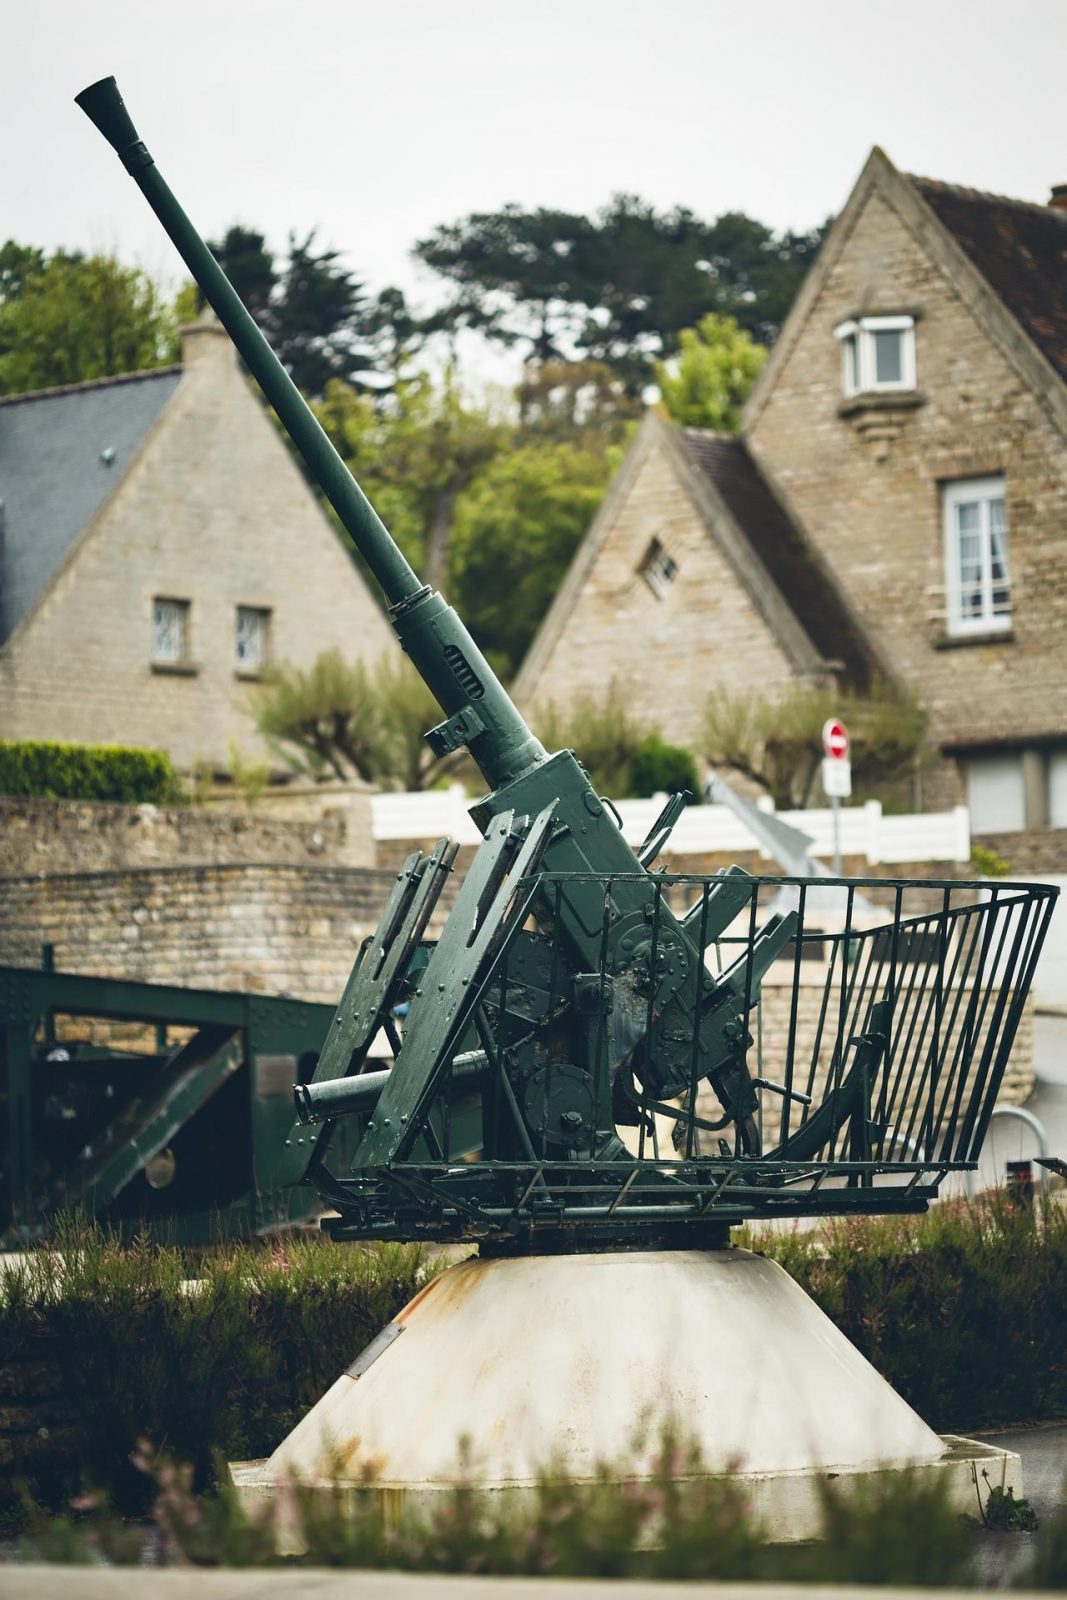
[(566, 998)]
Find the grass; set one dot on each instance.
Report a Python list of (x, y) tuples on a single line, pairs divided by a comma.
[(680, 1524)]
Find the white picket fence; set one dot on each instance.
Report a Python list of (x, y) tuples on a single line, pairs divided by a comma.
[(865, 830)]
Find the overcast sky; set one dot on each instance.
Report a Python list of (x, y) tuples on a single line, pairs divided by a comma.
[(376, 119)]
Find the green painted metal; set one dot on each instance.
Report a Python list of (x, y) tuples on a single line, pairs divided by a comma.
[(209, 1079), (148, 1124), (574, 995)]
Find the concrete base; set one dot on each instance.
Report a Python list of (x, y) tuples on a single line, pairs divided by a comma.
[(502, 1368)]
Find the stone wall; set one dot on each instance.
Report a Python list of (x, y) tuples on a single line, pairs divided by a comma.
[(269, 929), (1029, 855), (48, 836), (776, 1005)]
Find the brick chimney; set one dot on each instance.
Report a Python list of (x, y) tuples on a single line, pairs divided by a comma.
[(1058, 197)]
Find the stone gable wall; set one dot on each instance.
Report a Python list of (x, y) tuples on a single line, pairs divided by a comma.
[(213, 511), (868, 492), (666, 654)]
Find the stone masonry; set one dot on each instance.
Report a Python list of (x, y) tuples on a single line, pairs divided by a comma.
[(50, 836), (867, 487), (291, 930), (666, 654), (212, 510)]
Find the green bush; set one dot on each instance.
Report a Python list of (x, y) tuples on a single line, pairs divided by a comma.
[(227, 1369), (960, 1310), (659, 768), (50, 771), (622, 755)]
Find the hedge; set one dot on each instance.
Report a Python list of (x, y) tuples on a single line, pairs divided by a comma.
[(108, 1347), (46, 770), (962, 1311)]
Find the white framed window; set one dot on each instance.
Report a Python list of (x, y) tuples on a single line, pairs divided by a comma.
[(170, 631), (877, 354), (977, 586), (252, 638), (659, 569)]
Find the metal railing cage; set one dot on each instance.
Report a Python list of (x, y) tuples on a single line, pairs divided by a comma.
[(873, 1019)]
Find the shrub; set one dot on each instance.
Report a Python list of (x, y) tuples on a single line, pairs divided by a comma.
[(960, 1310), (775, 739), (49, 771), (228, 1369), (660, 768), (681, 1523), (621, 754)]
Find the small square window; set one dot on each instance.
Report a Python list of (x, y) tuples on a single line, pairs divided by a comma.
[(252, 638), (877, 354), (659, 569), (170, 631)]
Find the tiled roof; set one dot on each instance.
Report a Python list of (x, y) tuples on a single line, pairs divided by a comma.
[(1021, 251), (782, 549), (62, 451)]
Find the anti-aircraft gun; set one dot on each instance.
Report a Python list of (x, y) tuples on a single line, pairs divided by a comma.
[(576, 996)]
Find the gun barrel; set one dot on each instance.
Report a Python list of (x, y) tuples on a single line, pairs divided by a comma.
[(339, 1097), (479, 712)]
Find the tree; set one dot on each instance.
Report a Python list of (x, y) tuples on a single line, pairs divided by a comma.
[(67, 318), (414, 455), (353, 721), (602, 730), (315, 312), (243, 255), (617, 287), (775, 740), (581, 402), (707, 383), (516, 274), (518, 524)]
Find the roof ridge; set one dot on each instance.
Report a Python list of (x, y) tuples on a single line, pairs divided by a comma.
[(1041, 207), (707, 433), (91, 383), (783, 547)]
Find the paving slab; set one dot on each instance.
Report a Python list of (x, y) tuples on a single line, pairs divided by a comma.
[(81, 1583)]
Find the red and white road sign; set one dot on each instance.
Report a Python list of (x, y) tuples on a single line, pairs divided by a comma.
[(835, 739)]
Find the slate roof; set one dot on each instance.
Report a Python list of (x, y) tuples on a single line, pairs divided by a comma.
[(783, 550), (1021, 251), (54, 475)]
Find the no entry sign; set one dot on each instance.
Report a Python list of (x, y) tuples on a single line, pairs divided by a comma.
[(835, 739)]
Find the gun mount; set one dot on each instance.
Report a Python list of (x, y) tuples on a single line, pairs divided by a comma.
[(578, 1008)]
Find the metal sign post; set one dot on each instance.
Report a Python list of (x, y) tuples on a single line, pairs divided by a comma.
[(836, 777)]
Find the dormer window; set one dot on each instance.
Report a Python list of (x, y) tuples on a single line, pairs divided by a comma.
[(877, 354), (659, 569)]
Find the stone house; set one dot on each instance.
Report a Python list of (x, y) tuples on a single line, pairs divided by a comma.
[(158, 547), (906, 447), (692, 577)]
